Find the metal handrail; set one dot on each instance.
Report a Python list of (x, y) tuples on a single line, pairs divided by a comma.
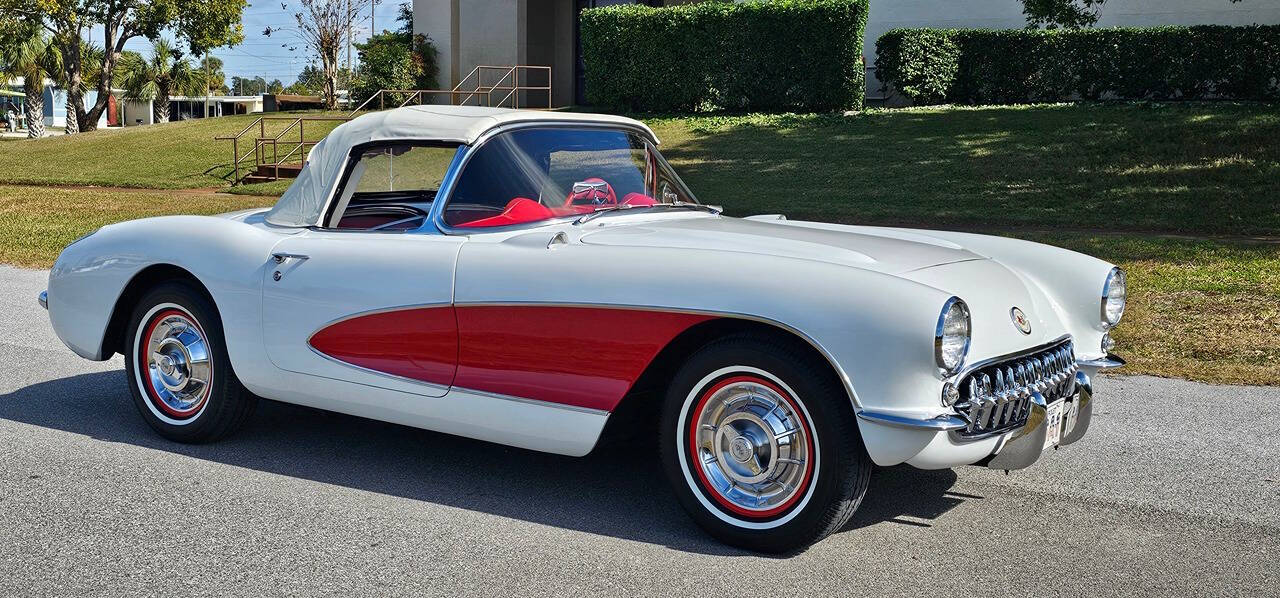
[(261, 141)]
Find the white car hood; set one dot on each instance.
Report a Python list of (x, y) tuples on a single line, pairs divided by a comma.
[(882, 250)]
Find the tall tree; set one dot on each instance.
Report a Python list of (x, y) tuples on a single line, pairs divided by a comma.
[(165, 74), (26, 52), (394, 60), (91, 56), (322, 24), (202, 24)]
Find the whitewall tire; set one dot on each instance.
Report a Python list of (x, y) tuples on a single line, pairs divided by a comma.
[(177, 366), (761, 445)]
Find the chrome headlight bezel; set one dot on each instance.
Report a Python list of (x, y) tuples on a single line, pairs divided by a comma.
[(1115, 284), (954, 312)]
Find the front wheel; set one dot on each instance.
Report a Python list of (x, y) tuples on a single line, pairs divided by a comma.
[(179, 373), (761, 445)]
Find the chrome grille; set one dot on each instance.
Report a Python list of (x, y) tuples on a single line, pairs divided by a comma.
[(997, 397)]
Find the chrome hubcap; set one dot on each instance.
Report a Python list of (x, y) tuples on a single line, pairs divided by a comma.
[(178, 365), (752, 446)]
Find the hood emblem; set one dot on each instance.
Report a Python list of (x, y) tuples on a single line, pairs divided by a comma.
[(1020, 320)]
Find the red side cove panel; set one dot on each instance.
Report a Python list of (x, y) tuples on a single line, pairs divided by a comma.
[(417, 343), (586, 357)]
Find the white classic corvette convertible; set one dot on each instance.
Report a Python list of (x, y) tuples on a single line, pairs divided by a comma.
[(519, 277)]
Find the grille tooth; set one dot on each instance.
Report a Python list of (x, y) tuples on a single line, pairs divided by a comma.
[(1002, 398), (984, 418), (1012, 388)]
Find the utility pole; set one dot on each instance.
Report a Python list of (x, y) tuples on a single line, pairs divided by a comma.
[(348, 42), (206, 84)]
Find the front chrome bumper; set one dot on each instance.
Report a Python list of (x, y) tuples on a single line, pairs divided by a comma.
[(941, 441), (43, 299), (1025, 445)]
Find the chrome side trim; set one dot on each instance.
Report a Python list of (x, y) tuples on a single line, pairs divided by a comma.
[(375, 311), (941, 423), (405, 379), (43, 299), (844, 377), (1110, 362), (539, 403)]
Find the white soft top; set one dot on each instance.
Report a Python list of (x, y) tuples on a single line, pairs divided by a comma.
[(303, 202)]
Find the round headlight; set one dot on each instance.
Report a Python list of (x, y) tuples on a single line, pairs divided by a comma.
[(951, 339), (1113, 296)]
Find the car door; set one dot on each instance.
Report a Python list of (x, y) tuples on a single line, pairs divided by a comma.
[(371, 308)]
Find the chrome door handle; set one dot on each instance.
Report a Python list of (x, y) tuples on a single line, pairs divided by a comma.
[(281, 257)]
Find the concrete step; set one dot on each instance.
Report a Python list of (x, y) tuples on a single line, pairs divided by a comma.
[(283, 170)]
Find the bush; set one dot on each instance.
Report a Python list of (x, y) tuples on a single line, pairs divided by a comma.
[(976, 66), (785, 54), (394, 60)]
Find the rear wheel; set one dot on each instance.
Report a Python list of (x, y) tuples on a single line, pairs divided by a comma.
[(761, 446), (179, 373)]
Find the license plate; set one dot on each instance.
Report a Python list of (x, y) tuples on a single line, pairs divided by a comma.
[(1053, 420)]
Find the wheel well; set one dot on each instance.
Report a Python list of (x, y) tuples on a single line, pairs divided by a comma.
[(637, 415), (142, 282)]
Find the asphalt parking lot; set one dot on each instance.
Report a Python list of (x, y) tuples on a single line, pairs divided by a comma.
[(1176, 490)]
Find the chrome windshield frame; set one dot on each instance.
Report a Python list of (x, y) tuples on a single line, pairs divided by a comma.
[(437, 222)]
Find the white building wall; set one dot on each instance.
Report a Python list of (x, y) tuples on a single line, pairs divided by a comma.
[(438, 20), (137, 112)]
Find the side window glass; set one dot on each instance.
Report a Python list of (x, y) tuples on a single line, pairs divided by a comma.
[(391, 187), (403, 169)]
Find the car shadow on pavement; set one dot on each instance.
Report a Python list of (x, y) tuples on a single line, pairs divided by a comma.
[(615, 491)]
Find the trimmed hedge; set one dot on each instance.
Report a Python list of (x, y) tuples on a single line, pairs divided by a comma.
[(784, 54), (978, 66)]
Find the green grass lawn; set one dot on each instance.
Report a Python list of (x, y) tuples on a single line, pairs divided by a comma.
[(176, 155), (1205, 310), (37, 222), (1196, 168), (1193, 168)]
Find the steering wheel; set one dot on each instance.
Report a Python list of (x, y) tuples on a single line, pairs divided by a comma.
[(592, 192), (410, 213)]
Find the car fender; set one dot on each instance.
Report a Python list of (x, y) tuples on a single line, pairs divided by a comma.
[(227, 256), (1072, 281)]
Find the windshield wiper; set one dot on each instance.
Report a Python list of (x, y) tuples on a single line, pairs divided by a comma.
[(600, 211), (678, 205)]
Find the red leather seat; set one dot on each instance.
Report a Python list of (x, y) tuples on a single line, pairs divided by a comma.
[(518, 211)]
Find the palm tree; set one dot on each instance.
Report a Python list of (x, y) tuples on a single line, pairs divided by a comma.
[(91, 63), (29, 55), (167, 73)]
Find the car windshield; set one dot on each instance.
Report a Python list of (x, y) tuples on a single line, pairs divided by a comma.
[(532, 175)]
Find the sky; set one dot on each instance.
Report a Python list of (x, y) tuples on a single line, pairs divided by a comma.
[(261, 56)]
